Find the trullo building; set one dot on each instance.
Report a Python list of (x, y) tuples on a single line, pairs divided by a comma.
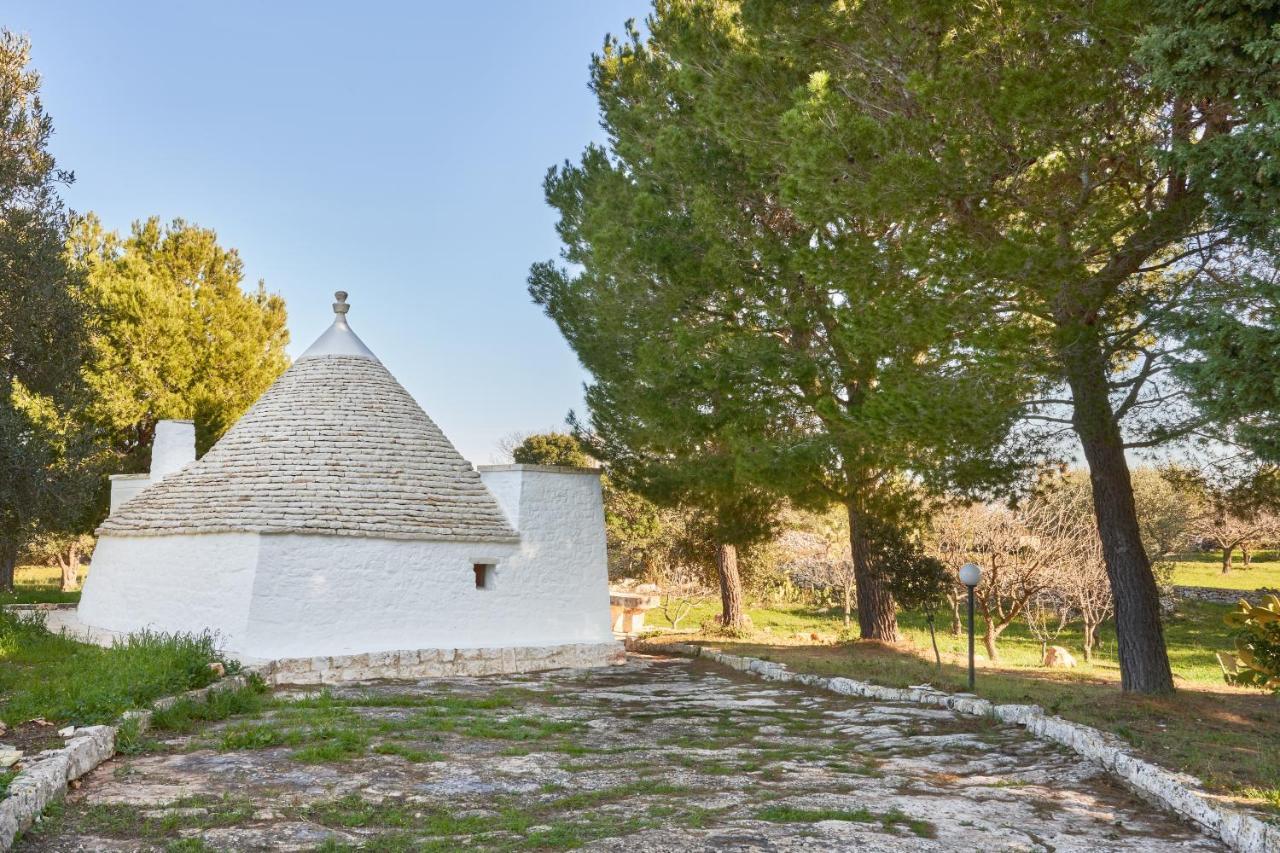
[(335, 526)]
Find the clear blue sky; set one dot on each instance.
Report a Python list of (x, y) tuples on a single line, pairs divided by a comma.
[(393, 150)]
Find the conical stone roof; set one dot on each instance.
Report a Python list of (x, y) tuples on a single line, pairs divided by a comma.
[(335, 446)]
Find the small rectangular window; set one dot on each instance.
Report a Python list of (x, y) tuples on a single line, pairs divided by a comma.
[(484, 575)]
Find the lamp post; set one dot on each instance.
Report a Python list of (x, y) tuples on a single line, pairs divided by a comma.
[(970, 575)]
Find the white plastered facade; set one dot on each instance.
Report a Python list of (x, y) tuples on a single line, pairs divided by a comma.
[(271, 596), (378, 579)]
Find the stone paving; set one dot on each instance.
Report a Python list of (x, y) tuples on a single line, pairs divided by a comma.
[(656, 755)]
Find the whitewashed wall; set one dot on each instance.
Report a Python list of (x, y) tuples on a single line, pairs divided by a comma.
[(174, 446), (307, 595), (172, 583), (562, 561), (337, 595), (125, 486)]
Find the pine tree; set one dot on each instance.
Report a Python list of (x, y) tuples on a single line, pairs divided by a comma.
[(745, 332), (175, 335), (41, 321)]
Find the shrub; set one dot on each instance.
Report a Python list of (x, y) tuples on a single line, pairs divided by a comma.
[(1257, 636)]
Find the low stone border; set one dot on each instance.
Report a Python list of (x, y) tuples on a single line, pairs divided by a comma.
[(1222, 596), (37, 608), (438, 663), (1175, 791), (47, 777)]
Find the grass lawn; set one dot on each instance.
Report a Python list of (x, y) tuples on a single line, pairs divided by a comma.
[(45, 675), (1206, 570), (1223, 735), (39, 585)]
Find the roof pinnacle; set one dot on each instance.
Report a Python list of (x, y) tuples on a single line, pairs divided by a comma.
[(341, 307)]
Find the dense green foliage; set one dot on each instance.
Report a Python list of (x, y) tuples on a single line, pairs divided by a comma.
[(920, 583), (52, 676), (174, 333), (42, 323), (1257, 636), (746, 334), (1221, 56), (844, 247), (551, 448)]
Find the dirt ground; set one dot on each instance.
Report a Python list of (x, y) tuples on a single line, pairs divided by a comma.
[(656, 755)]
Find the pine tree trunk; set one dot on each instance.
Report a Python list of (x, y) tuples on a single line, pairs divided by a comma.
[(848, 605), (8, 563), (731, 612), (1246, 554), (1226, 559), (1144, 661), (957, 624), (877, 614), (933, 638)]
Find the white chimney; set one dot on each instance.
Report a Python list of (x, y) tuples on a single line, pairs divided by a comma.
[(174, 446)]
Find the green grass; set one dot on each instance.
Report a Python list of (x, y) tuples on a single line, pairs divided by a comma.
[(52, 676), (186, 714), (312, 744), (1206, 570), (201, 811), (408, 753), (1194, 635), (565, 822), (38, 585), (791, 814), (324, 728), (1215, 732)]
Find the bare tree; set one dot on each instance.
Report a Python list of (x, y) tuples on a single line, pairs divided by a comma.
[(1047, 616), (683, 587), (814, 552), (1226, 510), (1231, 529), (1089, 592), (952, 532), (1060, 515), (1017, 565)]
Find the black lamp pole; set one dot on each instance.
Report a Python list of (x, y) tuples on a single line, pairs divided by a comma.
[(970, 576), (971, 682)]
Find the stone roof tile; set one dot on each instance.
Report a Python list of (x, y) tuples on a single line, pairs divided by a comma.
[(335, 446)]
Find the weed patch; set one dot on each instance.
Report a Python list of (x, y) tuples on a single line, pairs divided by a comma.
[(889, 820), (185, 714), (415, 756)]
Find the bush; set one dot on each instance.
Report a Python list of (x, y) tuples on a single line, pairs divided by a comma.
[(1257, 637)]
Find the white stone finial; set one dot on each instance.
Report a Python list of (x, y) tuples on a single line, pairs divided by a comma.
[(338, 339)]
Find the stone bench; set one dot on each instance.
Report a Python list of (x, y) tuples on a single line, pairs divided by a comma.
[(627, 609)]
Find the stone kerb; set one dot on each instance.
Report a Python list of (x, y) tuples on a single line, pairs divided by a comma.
[(1223, 596), (1174, 791), (47, 777)]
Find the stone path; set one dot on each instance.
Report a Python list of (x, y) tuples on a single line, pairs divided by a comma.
[(657, 755)]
